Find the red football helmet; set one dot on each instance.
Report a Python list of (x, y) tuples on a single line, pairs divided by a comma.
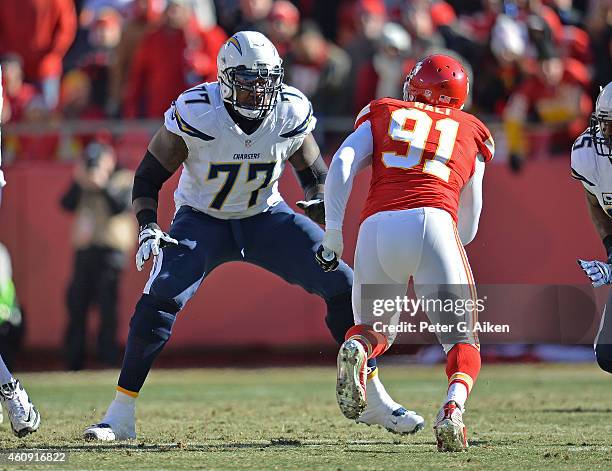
[(437, 80)]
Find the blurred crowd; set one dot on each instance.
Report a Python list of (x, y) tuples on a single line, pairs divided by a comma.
[(534, 64)]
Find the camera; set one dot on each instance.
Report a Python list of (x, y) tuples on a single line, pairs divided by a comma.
[(92, 154)]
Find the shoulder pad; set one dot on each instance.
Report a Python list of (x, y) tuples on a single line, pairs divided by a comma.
[(585, 140), (295, 112), (388, 101), (187, 115), (374, 106), (363, 115), (367, 111)]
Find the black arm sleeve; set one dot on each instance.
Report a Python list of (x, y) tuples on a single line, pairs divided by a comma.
[(149, 178), (312, 176), (607, 241), (71, 198)]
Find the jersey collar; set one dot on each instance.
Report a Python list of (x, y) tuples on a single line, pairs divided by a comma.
[(268, 123)]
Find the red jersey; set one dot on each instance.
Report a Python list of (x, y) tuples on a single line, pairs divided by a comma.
[(422, 155)]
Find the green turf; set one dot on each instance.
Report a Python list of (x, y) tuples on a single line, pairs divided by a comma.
[(519, 417)]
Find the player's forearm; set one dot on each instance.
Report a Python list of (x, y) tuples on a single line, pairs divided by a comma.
[(312, 179), (145, 210), (353, 156), (601, 221), (310, 168), (338, 187), (165, 154), (148, 181), (470, 204)]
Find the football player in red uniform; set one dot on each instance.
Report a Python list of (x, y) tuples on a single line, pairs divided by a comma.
[(427, 158)]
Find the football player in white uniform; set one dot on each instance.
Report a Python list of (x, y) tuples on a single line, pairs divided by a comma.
[(233, 138), (592, 165), (24, 417)]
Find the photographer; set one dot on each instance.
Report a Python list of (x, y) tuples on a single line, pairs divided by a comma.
[(103, 232)]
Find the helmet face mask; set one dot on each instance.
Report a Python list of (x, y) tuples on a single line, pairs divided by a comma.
[(250, 74), (600, 126), (254, 91), (601, 133)]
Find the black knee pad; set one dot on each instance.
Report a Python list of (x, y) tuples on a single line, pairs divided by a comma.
[(153, 318), (603, 353), (339, 317)]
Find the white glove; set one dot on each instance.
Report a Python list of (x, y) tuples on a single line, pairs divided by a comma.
[(330, 251), (333, 242), (150, 240), (600, 273)]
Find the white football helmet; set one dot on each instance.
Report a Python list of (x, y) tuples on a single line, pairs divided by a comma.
[(250, 74), (601, 122)]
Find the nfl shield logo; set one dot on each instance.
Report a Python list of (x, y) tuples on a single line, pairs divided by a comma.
[(248, 143)]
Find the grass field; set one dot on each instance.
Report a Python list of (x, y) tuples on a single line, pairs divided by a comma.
[(523, 416)]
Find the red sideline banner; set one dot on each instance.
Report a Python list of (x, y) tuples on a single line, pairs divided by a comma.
[(532, 229)]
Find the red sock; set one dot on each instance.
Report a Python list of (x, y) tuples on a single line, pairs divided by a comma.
[(374, 342), (463, 364)]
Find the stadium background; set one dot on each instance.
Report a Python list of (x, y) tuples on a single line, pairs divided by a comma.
[(534, 223)]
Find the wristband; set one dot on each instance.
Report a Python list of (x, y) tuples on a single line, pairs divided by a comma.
[(146, 216)]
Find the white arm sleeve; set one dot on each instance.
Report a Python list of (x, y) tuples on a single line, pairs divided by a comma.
[(470, 203), (354, 155)]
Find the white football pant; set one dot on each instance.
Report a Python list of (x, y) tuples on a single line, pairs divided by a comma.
[(423, 243)]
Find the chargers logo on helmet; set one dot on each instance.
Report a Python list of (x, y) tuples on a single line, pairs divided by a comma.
[(233, 41)]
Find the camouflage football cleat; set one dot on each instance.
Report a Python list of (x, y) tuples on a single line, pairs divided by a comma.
[(351, 380)]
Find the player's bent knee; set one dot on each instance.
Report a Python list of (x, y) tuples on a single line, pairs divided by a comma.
[(153, 318), (339, 317), (603, 353)]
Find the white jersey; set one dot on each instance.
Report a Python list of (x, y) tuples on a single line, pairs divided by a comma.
[(229, 174), (594, 171)]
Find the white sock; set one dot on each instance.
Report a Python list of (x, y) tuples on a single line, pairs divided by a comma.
[(377, 394), (457, 392), (123, 405), (125, 399), (5, 374)]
